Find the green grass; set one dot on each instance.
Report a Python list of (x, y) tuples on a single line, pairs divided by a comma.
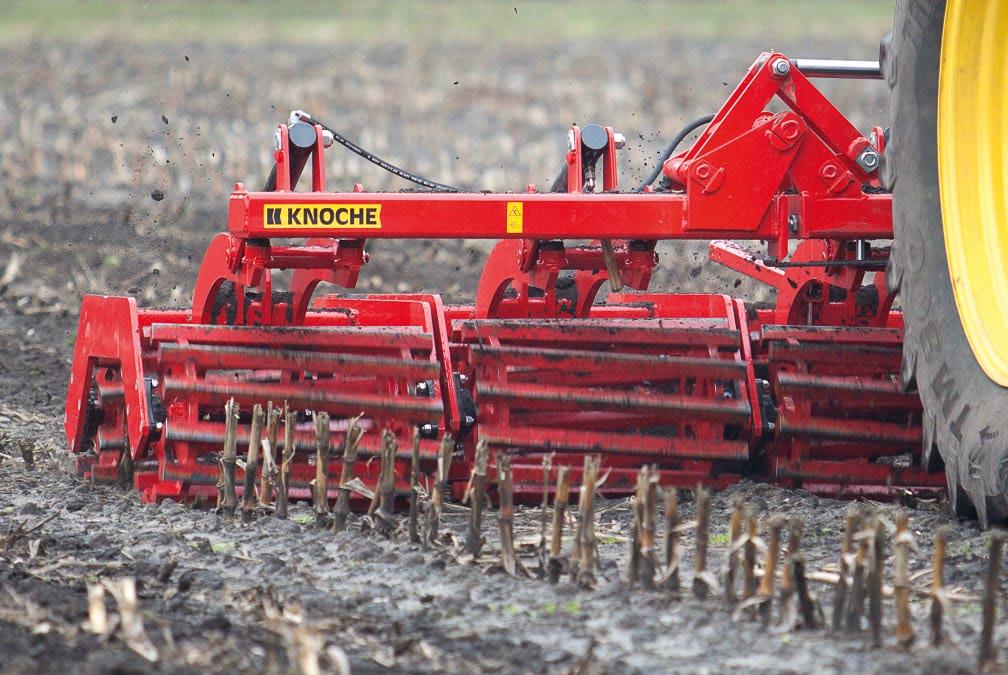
[(222, 546), (570, 607), (961, 549), (347, 23), (514, 610), (720, 539)]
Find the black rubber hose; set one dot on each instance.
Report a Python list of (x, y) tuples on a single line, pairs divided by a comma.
[(686, 131), (374, 159)]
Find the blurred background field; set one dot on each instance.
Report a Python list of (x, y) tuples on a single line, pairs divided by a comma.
[(103, 103), (238, 21)]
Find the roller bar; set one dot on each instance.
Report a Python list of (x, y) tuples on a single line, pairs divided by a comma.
[(830, 69)]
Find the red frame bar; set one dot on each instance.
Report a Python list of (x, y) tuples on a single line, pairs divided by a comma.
[(473, 215)]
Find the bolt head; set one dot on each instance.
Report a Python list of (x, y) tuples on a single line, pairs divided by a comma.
[(619, 140), (781, 67), (789, 129), (868, 159)]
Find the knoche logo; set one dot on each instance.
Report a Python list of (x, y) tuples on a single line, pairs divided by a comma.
[(336, 216)]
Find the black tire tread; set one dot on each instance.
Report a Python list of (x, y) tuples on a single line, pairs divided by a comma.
[(965, 413)]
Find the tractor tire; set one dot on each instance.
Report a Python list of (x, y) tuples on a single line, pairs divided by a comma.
[(965, 412)]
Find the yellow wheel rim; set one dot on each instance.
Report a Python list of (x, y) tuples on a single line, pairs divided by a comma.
[(973, 172)]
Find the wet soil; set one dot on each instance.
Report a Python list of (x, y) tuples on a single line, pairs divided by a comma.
[(221, 595)]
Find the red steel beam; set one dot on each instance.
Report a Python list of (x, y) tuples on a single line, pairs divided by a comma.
[(477, 215)]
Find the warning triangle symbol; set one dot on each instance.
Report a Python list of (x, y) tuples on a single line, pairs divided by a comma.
[(514, 211)]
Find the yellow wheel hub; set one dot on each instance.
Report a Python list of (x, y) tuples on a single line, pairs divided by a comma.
[(973, 172)]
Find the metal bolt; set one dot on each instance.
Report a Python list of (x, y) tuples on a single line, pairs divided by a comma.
[(789, 129), (463, 378), (619, 140), (469, 420), (781, 67), (868, 159), (570, 139), (153, 382), (861, 249), (792, 222), (428, 430), (327, 138), (423, 389)]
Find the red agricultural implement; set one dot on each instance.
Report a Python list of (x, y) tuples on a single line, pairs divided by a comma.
[(804, 392)]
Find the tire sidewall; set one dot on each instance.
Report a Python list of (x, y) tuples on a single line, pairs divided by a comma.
[(965, 413)]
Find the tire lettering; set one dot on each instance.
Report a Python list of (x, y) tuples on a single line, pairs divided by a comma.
[(973, 469), (930, 342), (956, 426), (943, 387), (987, 435)]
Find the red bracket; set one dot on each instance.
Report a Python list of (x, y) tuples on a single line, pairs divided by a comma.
[(108, 336)]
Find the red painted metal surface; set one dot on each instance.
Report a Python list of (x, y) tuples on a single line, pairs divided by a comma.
[(674, 391), (805, 391)]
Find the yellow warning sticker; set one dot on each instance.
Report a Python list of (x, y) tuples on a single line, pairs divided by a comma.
[(514, 217), (322, 216)]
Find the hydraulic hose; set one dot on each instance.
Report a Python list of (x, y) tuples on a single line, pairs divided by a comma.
[(374, 159), (686, 131)]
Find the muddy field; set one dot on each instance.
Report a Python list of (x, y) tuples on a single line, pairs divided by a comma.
[(221, 595), (91, 132)]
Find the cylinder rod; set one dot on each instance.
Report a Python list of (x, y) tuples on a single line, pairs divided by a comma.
[(839, 70)]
